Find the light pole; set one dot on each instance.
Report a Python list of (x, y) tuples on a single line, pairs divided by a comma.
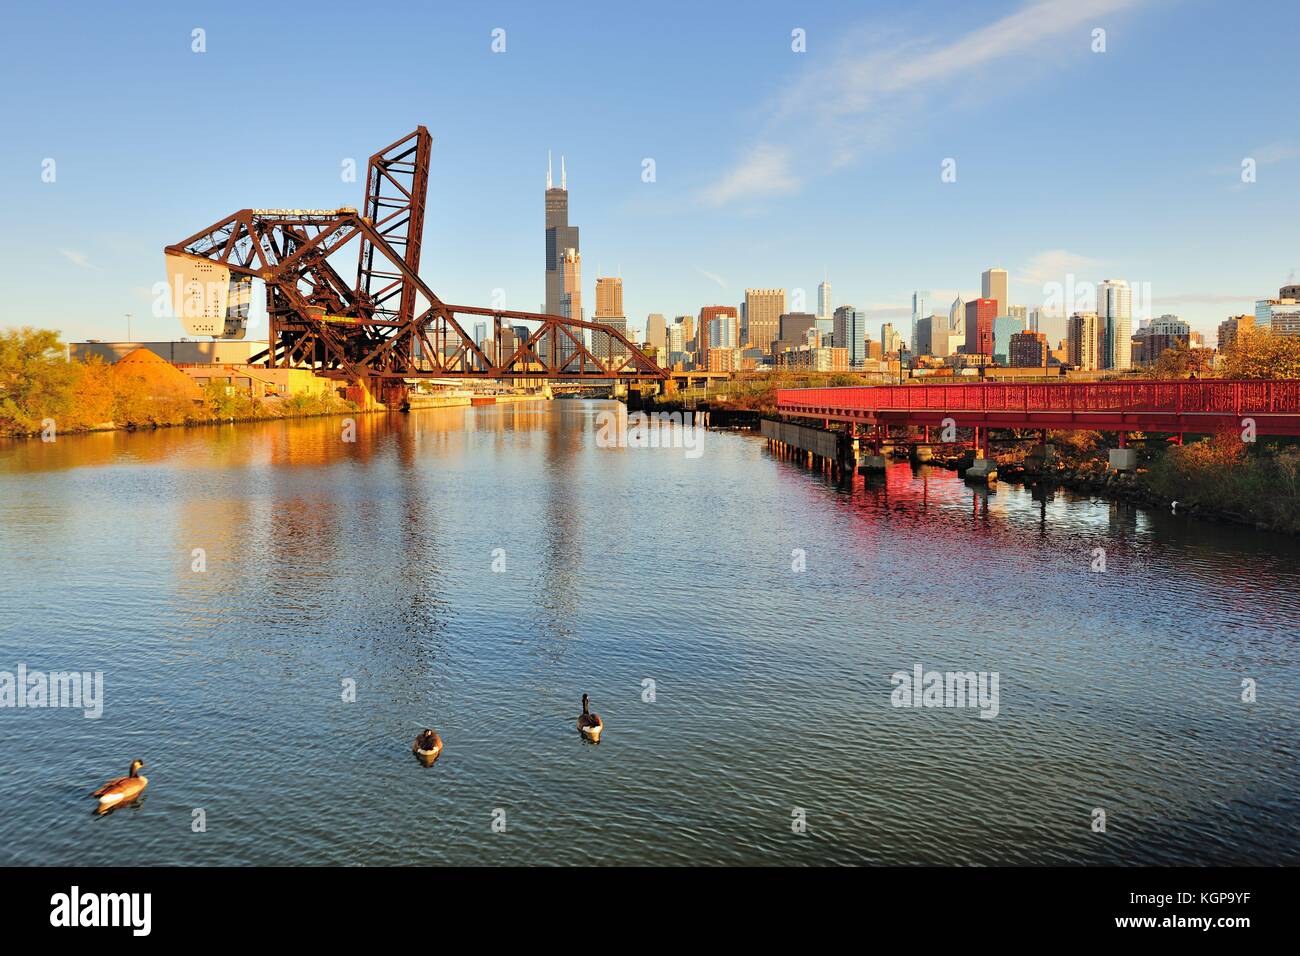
[(128, 327)]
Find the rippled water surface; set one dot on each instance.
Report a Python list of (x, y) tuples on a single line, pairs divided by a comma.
[(372, 562)]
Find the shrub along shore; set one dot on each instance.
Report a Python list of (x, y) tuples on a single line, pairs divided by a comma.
[(41, 391)]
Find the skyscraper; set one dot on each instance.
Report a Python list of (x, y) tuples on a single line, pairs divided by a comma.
[(763, 308), (825, 309), (563, 262), (1115, 312), (609, 297), (851, 334), (1084, 337), (1004, 327), (704, 335), (1279, 316), (980, 314), (920, 310), (890, 340), (656, 332), (957, 318), (609, 311), (993, 285)]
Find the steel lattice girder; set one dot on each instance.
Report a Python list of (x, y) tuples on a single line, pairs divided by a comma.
[(354, 332)]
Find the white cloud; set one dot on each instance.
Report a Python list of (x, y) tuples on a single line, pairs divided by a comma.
[(857, 99), (764, 172), (722, 283), (77, 258)]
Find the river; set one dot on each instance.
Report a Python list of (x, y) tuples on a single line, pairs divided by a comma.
[(735, 618)]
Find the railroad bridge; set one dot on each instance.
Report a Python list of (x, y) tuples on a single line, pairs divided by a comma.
[(385, 327)]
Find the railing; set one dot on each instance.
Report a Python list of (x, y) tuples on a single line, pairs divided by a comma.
[(1212, 396)]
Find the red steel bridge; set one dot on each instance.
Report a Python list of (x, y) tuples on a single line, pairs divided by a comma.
[(1196, 407), (384, 327)]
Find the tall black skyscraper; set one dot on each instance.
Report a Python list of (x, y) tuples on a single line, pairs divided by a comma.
[(563, 261)]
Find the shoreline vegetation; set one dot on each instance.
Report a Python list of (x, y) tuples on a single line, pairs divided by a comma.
[(41, 392)]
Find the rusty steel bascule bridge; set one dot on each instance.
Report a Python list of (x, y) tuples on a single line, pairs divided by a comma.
[(386, 327)]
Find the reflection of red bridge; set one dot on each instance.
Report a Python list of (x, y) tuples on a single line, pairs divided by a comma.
[(1197, 407)]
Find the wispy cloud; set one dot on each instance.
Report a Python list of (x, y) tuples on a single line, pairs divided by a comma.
[(722, 283), (765, 171), (78, 258), (857, 99)]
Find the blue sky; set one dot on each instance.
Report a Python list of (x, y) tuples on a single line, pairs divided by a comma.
[(770, 165)]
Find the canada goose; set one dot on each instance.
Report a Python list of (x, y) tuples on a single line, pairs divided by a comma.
[(590, 725), (123, 789), (427, 746)]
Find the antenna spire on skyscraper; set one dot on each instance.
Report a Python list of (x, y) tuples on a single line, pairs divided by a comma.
[(548, 169), (564, 180)]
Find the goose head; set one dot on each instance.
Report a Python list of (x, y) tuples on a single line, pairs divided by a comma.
[(136, 767)]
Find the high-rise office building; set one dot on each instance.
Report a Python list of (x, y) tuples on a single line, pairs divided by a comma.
[(890, 339), (923, 337), (704, 336), (1084, 338), (957, 319), (687, 322), (980, 314), (1231, 327), (1115, 311), (920, 310), (1004, 327), (825, 308), (851, 333), (794, 326), (763, 309), (1156, 335), (609, 297), (1028, 349), (656, 330), (563, 263), (1279, 316), (993, 285), (942, 339), (676, 346), (609, 311), (724, 332)]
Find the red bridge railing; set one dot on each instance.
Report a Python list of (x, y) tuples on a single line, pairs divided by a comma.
[(1211, 396)]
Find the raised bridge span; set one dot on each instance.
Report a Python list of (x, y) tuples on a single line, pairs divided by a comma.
[(1195, 407)]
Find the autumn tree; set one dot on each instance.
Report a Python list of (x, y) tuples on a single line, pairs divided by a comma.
[(1260, 353), (36, 380)]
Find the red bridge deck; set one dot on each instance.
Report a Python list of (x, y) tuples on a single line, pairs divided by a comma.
[(1196, 407)]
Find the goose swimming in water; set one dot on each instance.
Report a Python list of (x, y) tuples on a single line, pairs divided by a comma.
[(590, 725), (122, 789), (427, 746)]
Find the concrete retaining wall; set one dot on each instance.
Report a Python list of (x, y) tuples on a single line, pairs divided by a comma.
[(824, 444)]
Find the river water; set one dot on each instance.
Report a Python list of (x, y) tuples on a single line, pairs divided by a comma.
[(735, 618)]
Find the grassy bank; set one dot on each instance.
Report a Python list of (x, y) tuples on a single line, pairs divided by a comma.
[(1257, 485)]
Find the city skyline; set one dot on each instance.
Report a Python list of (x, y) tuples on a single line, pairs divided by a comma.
[(699, 229)]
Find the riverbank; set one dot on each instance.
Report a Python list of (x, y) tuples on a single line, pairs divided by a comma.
[(1217, 479)]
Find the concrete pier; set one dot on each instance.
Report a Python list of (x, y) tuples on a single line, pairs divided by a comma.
[(872, 464), (1040, 457), (982, 470), (1123, 459)]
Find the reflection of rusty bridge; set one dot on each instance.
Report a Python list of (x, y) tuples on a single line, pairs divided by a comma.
[(387, 326), (1195, 407)]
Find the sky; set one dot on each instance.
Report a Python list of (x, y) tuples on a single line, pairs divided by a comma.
[(1116, 154)]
